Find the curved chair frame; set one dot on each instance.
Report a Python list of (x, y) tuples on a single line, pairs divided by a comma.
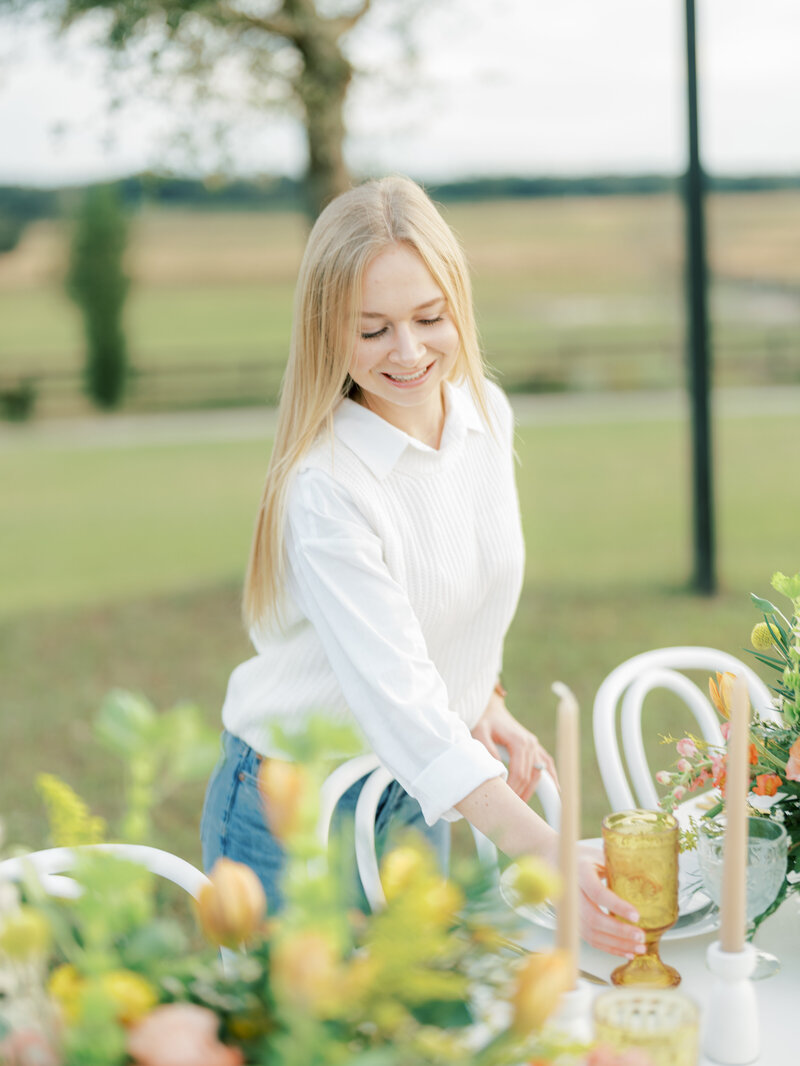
[(376, 784), (630, 683)]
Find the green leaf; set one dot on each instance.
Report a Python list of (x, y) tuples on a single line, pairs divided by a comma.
[(789, 586), (125, 722), (763, 605)]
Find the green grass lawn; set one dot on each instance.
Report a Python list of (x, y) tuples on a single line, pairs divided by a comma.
[(121, 568)]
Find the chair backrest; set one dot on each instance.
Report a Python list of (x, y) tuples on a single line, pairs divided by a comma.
[(629, 684), (53, 862), (376, 784)]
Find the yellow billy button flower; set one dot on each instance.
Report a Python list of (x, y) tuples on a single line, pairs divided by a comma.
[(761, 638), (404, 867), (536, 880), (231, 907), (541, 981), (132, 995), (284, 787), (24, 933)]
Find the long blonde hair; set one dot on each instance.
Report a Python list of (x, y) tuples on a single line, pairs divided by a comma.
[(350, 232)]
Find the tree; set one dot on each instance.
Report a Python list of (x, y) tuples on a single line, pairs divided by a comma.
[(96, 280), (291, 49)]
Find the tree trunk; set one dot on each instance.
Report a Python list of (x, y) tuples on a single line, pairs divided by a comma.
[(322, 89)]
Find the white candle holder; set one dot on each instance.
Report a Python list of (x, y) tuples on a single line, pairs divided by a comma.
[(573, 1019), (731, 1032)]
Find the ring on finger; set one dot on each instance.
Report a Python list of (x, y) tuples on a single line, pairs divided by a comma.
[(538, 766)]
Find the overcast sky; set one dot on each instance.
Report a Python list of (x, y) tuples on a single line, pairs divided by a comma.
[(501, 87)]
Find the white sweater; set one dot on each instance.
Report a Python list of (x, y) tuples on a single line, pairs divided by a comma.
[(405, 566)]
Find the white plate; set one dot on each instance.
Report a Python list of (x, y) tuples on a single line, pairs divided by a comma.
[(696, 913)]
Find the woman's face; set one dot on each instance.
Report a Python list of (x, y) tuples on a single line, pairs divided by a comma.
[(407, 344)]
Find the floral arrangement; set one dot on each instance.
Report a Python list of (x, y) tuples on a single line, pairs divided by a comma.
[(774, 746), (114, 975)]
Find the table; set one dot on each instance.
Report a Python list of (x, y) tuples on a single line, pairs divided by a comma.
[(778, 996)]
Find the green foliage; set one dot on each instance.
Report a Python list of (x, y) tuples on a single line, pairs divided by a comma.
[(161, 752), (97, 281)]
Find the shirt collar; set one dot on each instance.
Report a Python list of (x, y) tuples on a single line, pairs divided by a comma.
[(379, 444)]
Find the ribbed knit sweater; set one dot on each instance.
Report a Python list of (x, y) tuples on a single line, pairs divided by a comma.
[(404, 568)]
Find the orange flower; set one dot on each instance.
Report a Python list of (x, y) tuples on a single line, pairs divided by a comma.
[(540, 984), (753, 755), (306, 970), (232, 905), (180, 1034), (793, 765), (721, 692), (767, 784), (283, 787)]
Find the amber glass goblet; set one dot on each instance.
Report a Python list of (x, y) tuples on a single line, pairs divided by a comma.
[(641, 850)]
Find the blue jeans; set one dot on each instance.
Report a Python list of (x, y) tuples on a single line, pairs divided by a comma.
[(234, 825)]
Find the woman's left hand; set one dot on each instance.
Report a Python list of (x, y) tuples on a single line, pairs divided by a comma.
[(497, 728)]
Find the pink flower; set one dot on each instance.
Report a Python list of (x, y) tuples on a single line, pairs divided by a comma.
[(602, 1055), (725, 728), (793, 765), (663, 777), (679, 793), (686, 747), (684, 766), (28, 1047), (180, 1034)]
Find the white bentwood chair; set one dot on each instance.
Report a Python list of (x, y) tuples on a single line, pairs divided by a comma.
[(51, 864), (379, 779), (629, 684)]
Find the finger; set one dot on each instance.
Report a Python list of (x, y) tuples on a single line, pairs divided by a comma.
[(608, 933)]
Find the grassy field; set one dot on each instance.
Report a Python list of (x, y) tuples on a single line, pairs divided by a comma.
[(121, 568), (578, 291)]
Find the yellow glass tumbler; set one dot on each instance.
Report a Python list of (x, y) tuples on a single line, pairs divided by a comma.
[(641, 851), (664, 1024)]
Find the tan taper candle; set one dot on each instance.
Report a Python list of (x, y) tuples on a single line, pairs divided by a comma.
[(734, 853), (568, 767)]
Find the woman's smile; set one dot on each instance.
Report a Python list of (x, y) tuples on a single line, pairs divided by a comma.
[(407, 345)]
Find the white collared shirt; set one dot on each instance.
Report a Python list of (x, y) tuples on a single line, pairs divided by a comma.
[(404, 568)]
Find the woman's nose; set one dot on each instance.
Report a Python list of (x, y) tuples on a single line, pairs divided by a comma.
[(408, 349)]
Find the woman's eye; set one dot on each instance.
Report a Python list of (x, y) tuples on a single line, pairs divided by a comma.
[(430, 321), (372, 336)]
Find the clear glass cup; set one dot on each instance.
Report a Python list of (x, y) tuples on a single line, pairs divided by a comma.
[(660, 1022), (767, 851), (641, 853)]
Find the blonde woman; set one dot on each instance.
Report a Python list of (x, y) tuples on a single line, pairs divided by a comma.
[(387, 559)]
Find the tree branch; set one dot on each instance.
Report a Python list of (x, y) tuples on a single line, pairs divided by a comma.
[(279, 24)]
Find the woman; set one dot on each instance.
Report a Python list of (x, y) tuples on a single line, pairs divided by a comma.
[(387, 559)]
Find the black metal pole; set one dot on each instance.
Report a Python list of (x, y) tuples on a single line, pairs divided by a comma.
[(704, 578)]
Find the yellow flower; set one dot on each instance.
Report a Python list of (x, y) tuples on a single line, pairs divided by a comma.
[(304, 966), (761, 638), (231, 907), (132, 995), (284, 787), (24, 933), (403, 868), (65, 986), (536, 880), (71, 823), (540, 984)]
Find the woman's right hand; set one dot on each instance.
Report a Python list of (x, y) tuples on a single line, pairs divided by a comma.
[(600, 929)]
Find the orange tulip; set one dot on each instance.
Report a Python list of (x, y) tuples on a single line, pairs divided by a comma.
[(231, 907), (283, 787), (722, 692), (540, 984), (306, 972)]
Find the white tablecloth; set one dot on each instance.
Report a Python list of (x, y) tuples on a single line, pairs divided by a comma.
[(778, 996)]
